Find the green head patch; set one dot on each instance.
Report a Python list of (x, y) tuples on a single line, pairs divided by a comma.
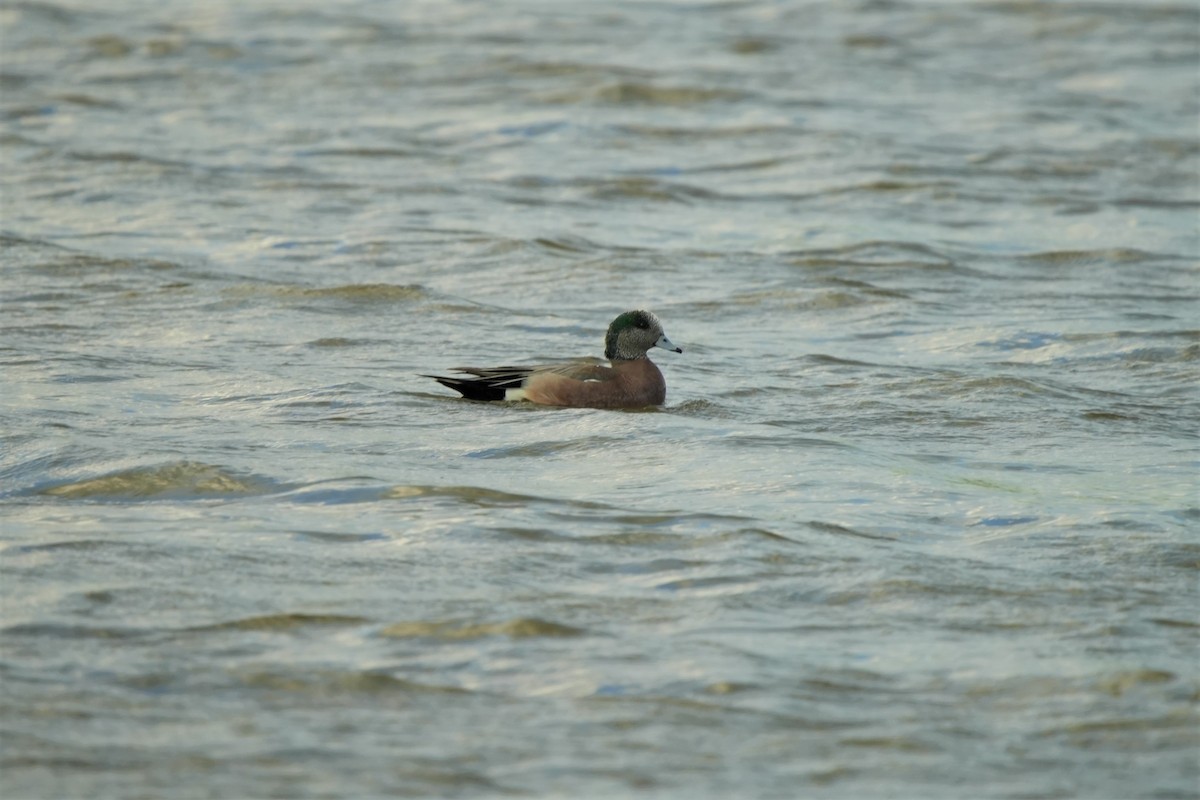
[(637, 322)]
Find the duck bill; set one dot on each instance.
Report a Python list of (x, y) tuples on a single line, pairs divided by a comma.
[(666, 344)]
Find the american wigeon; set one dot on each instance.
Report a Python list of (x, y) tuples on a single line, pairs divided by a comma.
[(632, 380)]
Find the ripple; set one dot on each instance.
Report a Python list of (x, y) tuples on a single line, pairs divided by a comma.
[(641, 93), (327, 682), (1090, 257), (185, 479), (284, 622), (842, 530), (644, 188), (478, 496), (71, 632), (354, 294), (876, 253), (520, 628)]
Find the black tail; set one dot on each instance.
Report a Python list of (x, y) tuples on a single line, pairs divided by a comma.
[(472, 388), (488, 383)]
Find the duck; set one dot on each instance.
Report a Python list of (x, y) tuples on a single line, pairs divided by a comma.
[(629, 380)]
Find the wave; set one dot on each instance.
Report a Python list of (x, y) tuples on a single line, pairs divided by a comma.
[(179, 480)]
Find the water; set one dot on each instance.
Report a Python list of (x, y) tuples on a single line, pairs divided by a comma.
[(919, 518)]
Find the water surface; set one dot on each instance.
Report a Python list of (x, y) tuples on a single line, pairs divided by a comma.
[(918, 518)]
